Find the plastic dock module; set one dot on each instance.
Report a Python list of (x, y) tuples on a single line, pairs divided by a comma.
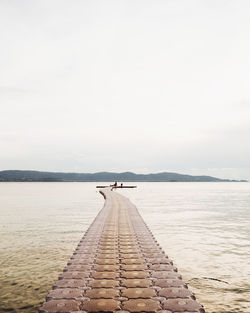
[(118, 266)]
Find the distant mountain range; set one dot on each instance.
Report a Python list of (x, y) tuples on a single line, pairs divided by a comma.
[(37, 176)]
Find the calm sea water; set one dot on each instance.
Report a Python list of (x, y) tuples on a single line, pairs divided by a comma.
[(203, 227)]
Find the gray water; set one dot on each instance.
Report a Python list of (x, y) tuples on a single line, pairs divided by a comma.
[(203, 227)]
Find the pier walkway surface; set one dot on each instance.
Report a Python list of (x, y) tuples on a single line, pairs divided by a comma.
[(118, 266)]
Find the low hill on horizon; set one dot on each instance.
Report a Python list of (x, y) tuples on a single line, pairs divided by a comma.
[(38, 176)]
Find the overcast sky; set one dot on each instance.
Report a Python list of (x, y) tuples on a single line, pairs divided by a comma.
[(144, 86)]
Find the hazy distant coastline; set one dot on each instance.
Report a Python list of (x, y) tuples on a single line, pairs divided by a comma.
[(37, 176)]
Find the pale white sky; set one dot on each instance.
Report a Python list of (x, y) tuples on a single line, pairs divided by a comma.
[(144, 86)]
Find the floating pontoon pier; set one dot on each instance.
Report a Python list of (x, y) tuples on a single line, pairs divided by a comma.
[(118, 266)]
